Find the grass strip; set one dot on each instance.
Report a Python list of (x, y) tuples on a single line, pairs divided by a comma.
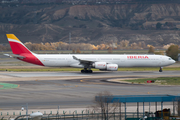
[(7, 86), (79, 69), (160, 80)]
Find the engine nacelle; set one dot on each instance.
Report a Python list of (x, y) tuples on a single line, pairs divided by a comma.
[(105, 66), (99, 65), (112, 67)]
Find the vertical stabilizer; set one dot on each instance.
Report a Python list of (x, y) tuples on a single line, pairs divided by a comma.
[(21, 52), (17, 46)]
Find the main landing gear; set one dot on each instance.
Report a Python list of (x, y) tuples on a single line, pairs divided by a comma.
[(86, 71), (160, 70)]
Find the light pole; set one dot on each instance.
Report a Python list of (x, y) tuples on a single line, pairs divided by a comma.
[(58, 109), (26, 110)]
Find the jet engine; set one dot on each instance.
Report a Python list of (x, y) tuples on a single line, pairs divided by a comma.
[(112, 67), (105, 66), (99, 65)]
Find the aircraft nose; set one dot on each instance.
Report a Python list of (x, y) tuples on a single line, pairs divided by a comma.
[(173, 61)]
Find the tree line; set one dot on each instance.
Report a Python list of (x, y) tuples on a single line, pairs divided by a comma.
[(172, 50), (124, 44)]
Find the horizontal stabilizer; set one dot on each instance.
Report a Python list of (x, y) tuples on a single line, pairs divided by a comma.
[(14, 56)]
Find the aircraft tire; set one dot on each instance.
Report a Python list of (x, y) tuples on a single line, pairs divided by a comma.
[(86, 71), (82, 71)]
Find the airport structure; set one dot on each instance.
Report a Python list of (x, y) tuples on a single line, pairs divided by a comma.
[(162, 114), (121, 113)]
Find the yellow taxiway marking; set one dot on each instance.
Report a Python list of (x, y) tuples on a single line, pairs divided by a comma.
[(86, 81), (150, 92)]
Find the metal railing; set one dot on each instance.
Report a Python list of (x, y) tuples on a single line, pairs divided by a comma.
[(92, 116)]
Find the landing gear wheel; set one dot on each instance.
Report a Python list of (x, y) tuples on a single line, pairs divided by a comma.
[(86, 71), (90, 71), (160, 70), (82, 71)]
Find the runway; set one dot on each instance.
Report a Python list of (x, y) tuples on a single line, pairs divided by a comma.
[(47, 90), (96, 73)]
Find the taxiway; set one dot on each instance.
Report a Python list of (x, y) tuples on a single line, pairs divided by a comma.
[(45, 90)]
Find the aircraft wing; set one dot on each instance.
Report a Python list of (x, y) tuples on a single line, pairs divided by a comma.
[(84, 62), (14, 56)]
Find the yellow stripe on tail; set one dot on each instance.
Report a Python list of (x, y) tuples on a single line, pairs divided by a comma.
[(12, 36)]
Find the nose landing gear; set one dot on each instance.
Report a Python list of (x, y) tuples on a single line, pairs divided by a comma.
[(160, 70)]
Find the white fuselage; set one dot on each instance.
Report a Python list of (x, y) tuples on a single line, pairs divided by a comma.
[(109, 62), (126, 60)]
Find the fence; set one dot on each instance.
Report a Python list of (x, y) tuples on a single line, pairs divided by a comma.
[(89, 114), (93, 116)]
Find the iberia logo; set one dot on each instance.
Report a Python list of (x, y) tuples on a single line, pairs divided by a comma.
[(137, 57), (101, 65)]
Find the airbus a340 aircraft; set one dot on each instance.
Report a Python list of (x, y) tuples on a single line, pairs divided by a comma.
[(109, 62)]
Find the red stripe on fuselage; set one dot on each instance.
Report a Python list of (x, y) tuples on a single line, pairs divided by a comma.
[(30, 58), (18, 48)]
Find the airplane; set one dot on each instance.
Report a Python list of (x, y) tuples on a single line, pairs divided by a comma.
[(106, 62)]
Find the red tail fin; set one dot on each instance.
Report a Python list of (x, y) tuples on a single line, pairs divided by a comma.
[(16, 45), (21, 51)]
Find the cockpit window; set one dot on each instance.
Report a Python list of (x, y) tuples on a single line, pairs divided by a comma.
[(170, 59)]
